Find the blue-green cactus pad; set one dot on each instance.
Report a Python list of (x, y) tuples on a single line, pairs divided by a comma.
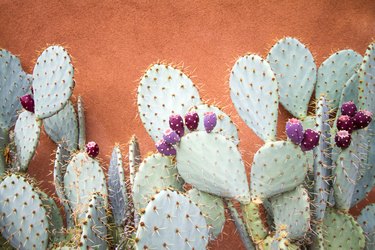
[(367, 80), (52, 81), (14, 83), (367, 221), (277, 167), (254, 93), (295, 72), (27, 132), (135, 158), (156, 172), (213, 164), (163, 91), (172, 221), (63, 127)]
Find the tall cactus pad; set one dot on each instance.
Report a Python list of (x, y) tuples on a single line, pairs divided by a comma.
[(292, 210), (254, 93), (163, 91), (254, 222), (277, 167), (117, 188), (27, 132), (367, 80), (334, 73), (23, 218), (341, 231), (53, 81), (135, 158), (224, 124), (14, 83), (83, 177), (63, 127), (94, 226), (322, 160), (81, 124), (155, 173), (295, 71), (212, 208), (213, 164), (172, 221), (367, 221)]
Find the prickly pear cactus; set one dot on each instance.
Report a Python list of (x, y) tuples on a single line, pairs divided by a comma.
[(367, 221), (254, 223), (172, 221), (135, 158)]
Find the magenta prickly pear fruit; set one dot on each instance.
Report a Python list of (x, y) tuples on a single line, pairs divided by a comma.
[(294, 130), (192, 120), (362, 119), (310, 140), (165, 148), (171, 136), (343, 139), (177, 124), (345, 122), (348, 108), (209, 121), (92, 149), (27, 102)]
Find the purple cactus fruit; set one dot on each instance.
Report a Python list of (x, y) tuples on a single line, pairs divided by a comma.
[(192, 120), (209, 121), (294, 130), (170, 136), (343, 139), (310, 140), (177, 124), (348, 108), (165, 148), (345, 122), (92, 149), (362, 119), (27, 102)]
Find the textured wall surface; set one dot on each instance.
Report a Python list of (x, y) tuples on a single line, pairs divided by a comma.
[(113, 42)]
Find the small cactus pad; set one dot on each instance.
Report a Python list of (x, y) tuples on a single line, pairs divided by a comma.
[(367, 80), (341, 232), (94, 226), (367, 221), (280, 241), (172, 221), (295, 71), (292, 210), (14, 83), (212, 208), (334, 73), (277, 167), (253, 220), (135, 158), (213, 164), (83, 177), (63, 127), (23, 218), (163, 91), (156, 172), (27, 132), (117, 188), (322, 159), (81, 124), (224, 124), (254, 93), (53, 81)]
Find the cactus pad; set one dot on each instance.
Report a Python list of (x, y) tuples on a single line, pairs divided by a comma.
[(27, 132), (63, 127), (212, 208), (254, 93), (367, 80), (163, 91), (295, 72), (53, 81), (14, 83), (135, 158), (117, 187), (213, 164), (277, 167), (4, 140), (81, 124), (171, 221), (23, 218), (292, 210), (367, 221), (156, 172), (224, 124), (253, 220), (334, 73)]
